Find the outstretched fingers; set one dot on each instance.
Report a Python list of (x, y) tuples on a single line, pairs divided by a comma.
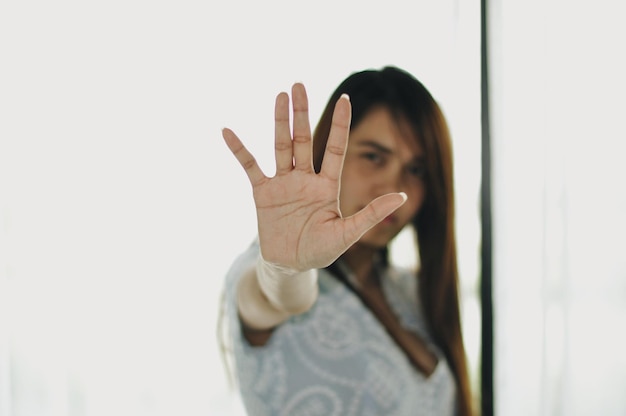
[(245, 158), (376, 211), (334, 155)]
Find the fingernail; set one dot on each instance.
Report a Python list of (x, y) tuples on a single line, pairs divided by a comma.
[(346, 96), (403, 195)]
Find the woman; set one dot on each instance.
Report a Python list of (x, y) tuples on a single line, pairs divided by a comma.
[(321, 321)]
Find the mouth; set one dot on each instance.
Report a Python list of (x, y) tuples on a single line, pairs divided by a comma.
[(390, 219)]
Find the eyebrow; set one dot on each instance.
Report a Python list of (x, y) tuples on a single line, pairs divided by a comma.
[(376, 145)]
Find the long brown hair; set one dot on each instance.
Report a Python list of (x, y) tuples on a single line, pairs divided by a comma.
[(408, 99)]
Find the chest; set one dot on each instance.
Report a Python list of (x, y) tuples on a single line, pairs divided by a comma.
[(344, 357), (413, 346)]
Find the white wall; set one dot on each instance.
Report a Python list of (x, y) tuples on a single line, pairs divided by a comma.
[(559, 206)]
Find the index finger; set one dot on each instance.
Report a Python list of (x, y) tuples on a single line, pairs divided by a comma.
[(335, 153)]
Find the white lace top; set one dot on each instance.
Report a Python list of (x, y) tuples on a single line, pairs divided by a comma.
[(337, 359)]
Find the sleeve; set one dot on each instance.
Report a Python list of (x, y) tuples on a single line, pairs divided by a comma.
[(249, 367), (233, 330)]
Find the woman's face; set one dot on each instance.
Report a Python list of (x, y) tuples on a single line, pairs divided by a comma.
[(383, 156)]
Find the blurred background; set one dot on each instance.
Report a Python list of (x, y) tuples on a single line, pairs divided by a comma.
[(121, 208)]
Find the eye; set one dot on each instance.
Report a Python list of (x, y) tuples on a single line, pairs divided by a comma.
[(417, 170), (373, 157)]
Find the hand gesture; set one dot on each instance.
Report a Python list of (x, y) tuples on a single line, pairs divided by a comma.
[(299, 219)]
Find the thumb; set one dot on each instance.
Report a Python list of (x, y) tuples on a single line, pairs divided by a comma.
[(376, 211)]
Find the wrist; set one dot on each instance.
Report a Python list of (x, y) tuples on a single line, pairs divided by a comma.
[(287, 289), (255, 311)]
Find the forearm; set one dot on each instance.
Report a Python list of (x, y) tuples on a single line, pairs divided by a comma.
[(268, 295)]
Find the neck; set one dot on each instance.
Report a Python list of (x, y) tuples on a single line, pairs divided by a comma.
[(360, 260)]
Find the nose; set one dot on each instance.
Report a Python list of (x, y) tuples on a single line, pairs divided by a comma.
[(388, 181)]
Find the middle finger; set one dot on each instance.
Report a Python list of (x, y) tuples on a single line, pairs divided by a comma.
[(302, 144)]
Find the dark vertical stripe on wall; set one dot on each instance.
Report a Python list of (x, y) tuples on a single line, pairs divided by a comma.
[(486, 247)]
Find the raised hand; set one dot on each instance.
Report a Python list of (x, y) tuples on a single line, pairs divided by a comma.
[(299, 220)]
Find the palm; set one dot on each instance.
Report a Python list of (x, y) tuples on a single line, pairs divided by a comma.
[(297, 216), (300, 225)]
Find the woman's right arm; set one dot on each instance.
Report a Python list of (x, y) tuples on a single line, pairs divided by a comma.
[(299, 222), (257, 315), (262, 307)]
